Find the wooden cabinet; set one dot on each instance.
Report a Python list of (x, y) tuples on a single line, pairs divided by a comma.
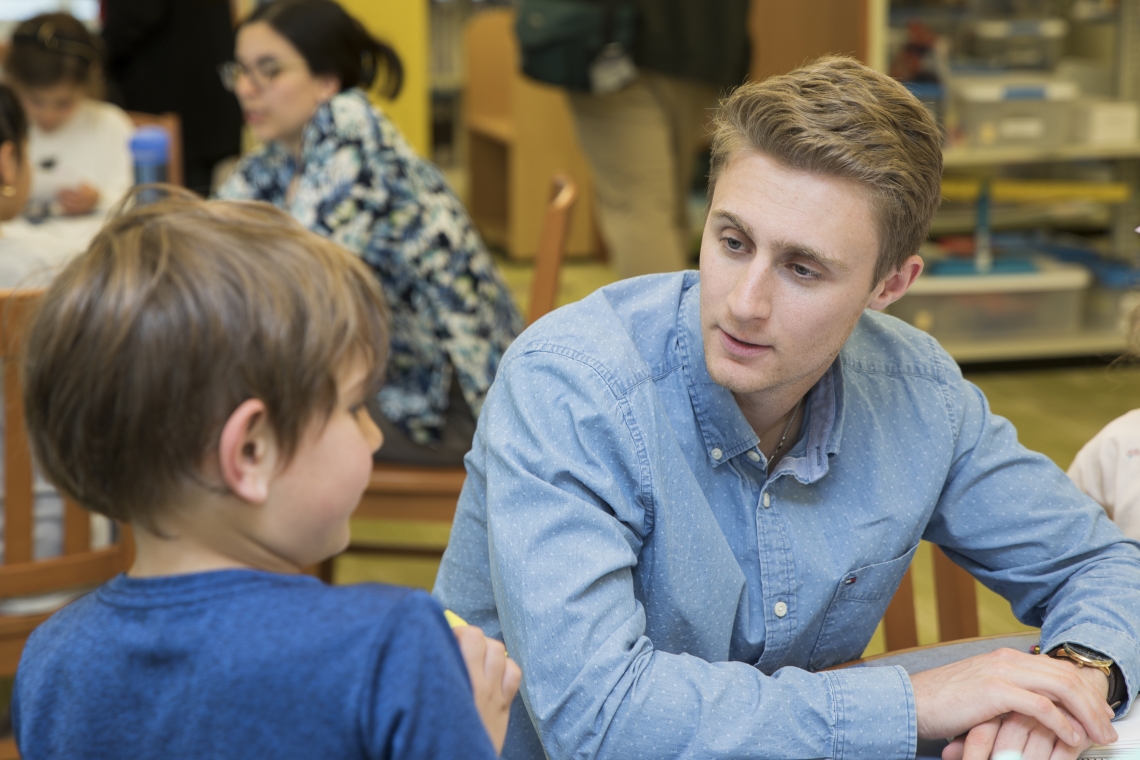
[(519, 135)]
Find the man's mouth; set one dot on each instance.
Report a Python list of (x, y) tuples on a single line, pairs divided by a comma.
[(739, 347)]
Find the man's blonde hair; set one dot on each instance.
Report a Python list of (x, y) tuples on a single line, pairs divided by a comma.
[(839, 118), (178, 312)]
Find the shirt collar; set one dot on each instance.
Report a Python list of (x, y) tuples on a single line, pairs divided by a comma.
[(724, 429)]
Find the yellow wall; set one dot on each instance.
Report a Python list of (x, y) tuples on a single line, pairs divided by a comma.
[(403, 24)]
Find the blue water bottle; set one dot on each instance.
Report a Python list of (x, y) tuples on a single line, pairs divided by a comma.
[(150, 148)]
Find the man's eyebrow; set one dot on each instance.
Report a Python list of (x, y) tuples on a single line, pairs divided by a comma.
[(797, 249), (808, 252), (734, 220)]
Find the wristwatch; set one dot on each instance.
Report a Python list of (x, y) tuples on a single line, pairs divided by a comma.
[(1090, 658)]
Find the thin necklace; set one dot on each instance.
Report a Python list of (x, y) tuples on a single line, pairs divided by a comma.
[(787, 427)]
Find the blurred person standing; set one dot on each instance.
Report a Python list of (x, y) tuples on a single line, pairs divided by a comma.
[(163, 55), (640, 138)]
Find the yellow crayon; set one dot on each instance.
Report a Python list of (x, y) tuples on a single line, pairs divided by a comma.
[(454, 620)]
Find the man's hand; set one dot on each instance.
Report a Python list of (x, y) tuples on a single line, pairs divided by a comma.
[(1025, 735), (495, 680), (78, 200), (957, 698)]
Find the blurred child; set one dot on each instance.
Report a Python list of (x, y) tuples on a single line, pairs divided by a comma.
[(28, 259), (1107, 468), (79, 146), (201, 372)]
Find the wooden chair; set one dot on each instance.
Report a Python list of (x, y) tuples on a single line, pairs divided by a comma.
[(172, 123), (20, 574), (430, 494), (957, 601)]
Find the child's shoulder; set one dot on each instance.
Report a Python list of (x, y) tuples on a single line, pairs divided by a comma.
[(225, 603), (107, 116)]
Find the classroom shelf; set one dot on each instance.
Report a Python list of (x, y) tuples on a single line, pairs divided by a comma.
[(961, 157), (1086, 343)]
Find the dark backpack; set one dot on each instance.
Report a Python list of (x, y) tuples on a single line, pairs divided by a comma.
[(560, 39)]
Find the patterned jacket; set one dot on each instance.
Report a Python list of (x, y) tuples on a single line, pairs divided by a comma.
[(360, 183)]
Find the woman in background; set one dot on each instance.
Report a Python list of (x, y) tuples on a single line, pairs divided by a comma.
[(79, 146), (339, 166)]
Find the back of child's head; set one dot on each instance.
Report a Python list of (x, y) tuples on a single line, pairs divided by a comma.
[(13, 120), (178, 312), (52, 49)]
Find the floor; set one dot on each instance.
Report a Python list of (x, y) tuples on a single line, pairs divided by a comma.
[(1055, 412)]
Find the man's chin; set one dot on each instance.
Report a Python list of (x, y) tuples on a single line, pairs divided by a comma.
[(731, 374)]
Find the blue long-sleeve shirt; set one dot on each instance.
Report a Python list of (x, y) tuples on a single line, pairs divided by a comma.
[(666, 597)]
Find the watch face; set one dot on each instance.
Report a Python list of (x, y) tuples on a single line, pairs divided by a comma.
[(1088, 655)]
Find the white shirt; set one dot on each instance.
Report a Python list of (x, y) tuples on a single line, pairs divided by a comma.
[(93, 146), (1107, 468)]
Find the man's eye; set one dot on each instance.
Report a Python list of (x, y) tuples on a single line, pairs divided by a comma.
[(802, 271), (733, 244), (269, 70)]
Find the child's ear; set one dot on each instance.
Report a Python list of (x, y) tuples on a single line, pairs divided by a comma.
[(247, 452)]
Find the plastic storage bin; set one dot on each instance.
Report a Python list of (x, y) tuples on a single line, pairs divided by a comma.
[(996, 306), (1021, 44), (1005, 111)]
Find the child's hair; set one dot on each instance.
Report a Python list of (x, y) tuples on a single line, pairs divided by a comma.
[(179, 311), (50, 49), (333, 42), (13, 120)]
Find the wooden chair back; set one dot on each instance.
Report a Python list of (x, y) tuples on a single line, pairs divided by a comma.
[(172, 123), (551, 247), (957, 602), (20, 574)]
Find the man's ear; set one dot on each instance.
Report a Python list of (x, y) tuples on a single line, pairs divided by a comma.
[(248, 453), (896, 285)]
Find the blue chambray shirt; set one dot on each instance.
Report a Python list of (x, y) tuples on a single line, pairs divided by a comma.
[(666, 597)]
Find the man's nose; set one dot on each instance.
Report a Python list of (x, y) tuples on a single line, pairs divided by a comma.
[(751, 296)]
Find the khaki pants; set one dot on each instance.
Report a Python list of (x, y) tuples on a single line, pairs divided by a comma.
[(641, 144)]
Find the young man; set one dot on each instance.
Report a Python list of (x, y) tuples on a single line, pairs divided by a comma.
[(689, 494), (201, 372)]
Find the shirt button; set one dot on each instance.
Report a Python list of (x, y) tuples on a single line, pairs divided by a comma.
[(780, 609), (716, 453), (767, 500), (753, 455)]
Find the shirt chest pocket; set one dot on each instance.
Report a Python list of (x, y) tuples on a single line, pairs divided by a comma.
[(858, 604)]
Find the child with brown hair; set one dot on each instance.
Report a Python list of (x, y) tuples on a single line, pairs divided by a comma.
[(201, 372), (79, 145)]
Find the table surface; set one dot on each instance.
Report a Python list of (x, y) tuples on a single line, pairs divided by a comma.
[(923, 658)]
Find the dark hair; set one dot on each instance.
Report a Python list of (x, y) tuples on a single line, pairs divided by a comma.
[(178, 312), (333, 42), (13, 121), (52, 48)]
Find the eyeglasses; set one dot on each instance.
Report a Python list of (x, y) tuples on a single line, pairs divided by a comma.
[(260, 74)]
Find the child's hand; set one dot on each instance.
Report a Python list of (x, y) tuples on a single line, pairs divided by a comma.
[(494, 680), (78, 200)]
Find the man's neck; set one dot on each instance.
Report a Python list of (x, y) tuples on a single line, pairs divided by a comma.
[(776, 415)]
